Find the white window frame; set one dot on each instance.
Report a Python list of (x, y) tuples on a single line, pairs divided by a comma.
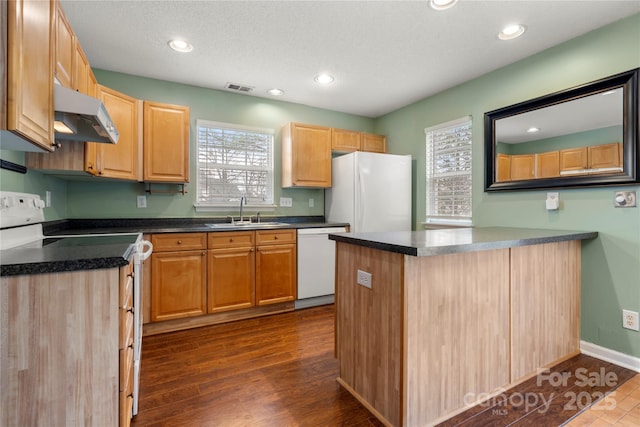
[(435, 218), (234, 203)]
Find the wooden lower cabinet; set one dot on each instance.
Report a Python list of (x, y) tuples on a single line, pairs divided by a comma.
[(242, 270), (65, 348), (178, 276), (231, 269)]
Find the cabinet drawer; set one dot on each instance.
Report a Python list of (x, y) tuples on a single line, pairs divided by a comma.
[(126, 329), (178, 241), (126, 409), (231, 239), (271, 237), (126, 370)]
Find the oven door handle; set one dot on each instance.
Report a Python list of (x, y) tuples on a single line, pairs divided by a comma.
[(144, 250)]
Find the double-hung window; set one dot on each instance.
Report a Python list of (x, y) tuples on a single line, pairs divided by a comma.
[(234, 161), (448, 172)]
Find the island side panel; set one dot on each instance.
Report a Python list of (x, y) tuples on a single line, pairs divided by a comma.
[(369, 328), (59, 348), (545, 313), (457, 332)]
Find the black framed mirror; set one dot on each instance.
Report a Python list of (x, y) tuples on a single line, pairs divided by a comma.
[(584, 136)]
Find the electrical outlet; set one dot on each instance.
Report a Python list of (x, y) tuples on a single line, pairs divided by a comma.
[(364, 279), (142, 201), (312, 203), (286, 202), (630, 320)]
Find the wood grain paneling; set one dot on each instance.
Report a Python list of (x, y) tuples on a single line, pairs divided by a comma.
[(545, 312), (369, 326), (59, 349), (457, 331), (231, 279)]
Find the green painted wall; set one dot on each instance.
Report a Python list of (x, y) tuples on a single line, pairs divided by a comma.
[(611, 263)]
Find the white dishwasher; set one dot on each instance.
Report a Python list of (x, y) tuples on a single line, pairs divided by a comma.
[(316, 266)]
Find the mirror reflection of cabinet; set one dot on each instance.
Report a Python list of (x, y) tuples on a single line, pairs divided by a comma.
[(583, 136)]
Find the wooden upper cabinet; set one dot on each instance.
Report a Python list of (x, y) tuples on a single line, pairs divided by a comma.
[(26, 108), (166, 143), (306, 156), (573, 159), (82, 81), (522, 166), (121, 160), (65, 48), (503, 168), (605, 156), (548, 164), (374, 143), (345, 140)]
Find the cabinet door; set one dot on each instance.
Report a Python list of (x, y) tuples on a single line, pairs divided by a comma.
[(231, 279), (121, 160), (306, 156), (30, 68), (275, 274), (166, 143), (605, 156), (374, 143), (503, 167), (345, 140), (573, 159), (548, 164), (65, 49), (522, 166), (81, 72), (178, 284)]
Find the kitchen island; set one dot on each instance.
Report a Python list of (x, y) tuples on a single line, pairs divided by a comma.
[(449, 317)]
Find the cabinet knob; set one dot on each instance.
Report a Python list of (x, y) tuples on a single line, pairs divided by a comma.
[(204, 253), (275, 237), (179, 242), (230, 240)]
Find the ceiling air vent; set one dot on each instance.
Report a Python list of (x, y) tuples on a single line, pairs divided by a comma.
[(239, 88)]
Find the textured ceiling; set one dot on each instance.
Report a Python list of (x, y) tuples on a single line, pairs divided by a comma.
[(384, 54)]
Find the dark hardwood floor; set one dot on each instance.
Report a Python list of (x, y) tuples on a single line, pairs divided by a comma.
[(280, 371)]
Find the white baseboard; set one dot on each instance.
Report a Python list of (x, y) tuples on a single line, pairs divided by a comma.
[(608, 355)]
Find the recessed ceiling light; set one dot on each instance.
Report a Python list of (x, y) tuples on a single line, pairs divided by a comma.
[(533, 129), (180, 45), (442, 4), (275, 92), (511, 31), (323, 78)]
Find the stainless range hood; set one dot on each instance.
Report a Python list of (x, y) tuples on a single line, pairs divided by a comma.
[(79, 117)]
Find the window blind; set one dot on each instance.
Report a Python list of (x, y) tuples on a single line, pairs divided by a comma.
[(234, 161), (448, 172)]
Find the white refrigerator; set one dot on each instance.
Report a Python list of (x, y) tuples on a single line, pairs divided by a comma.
[(371, 191)]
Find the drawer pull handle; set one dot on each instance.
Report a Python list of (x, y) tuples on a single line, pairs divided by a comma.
[(230, 240), (179, 242), (275, 237)]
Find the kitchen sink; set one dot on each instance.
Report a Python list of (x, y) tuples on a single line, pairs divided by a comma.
[(246, 224)]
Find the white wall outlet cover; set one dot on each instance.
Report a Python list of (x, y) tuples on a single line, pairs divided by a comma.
[(142, 201), (286, 202), (630, 320), (364, 279), (553, 201)]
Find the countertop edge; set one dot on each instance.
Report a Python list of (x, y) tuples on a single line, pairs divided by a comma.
[(444, 249)]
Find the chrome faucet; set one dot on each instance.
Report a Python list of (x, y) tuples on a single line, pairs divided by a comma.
[(243, 201)]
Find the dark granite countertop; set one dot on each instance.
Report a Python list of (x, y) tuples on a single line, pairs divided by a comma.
[(171, 225), (88, 253), (54, 255), (448, 241)]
